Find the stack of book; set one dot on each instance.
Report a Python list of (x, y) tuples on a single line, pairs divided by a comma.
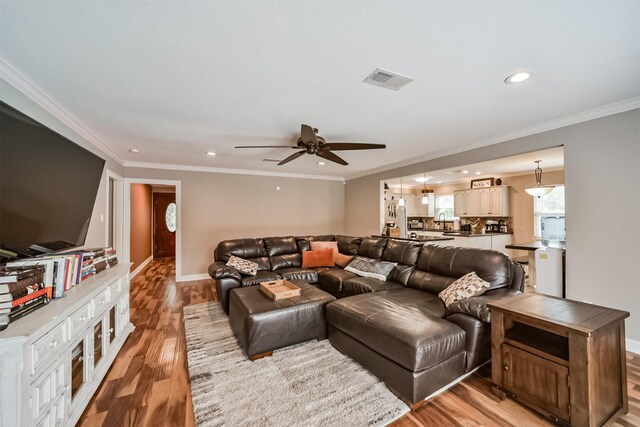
[(99, 259), (88, 269), (21, 292), (112, 259)]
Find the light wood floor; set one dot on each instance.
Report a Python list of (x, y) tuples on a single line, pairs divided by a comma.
[(148, 384)]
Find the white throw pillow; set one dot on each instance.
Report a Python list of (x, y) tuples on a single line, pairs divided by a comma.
[(469, 285), (244, 266)]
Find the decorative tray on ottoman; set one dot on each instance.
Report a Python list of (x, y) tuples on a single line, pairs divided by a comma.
[(279, 289)]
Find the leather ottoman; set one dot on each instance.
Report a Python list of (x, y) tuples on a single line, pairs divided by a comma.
[(263, 325)]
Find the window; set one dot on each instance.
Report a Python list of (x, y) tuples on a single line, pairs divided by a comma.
[(444, 204), (550, 205), (170, 217)]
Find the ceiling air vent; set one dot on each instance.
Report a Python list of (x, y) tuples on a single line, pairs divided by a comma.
[(387, 79), (271, 160)]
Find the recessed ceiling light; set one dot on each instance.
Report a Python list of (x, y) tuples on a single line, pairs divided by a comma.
[(439, 182), (134, 150), (422, 179), (478, 173), (211, 153), (465, 171), (518, 77), (321, 163)]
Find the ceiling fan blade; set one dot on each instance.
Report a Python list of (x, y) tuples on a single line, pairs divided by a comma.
[(308, 135), (292, 157), (332, 157), (341, 146), (265, 146)]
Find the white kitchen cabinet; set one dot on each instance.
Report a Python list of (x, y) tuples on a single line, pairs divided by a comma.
[(482, 202), (460, 203), (493, 201), (428, 210), (465, 203), (53, 360), (499, 201), (410, 205), (415, 208)]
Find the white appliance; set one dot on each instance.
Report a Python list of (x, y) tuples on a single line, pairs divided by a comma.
[(548, 265)]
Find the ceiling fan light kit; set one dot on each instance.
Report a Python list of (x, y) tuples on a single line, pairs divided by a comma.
[(310, 143), (539, 189)]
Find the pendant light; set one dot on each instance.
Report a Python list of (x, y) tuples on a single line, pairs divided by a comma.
[(401, 201), (539, 189), (425, 198)]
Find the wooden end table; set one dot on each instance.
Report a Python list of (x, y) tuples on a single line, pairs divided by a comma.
[(564, 359)]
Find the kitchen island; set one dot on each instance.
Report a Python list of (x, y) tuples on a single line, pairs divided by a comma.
[(467, 239)]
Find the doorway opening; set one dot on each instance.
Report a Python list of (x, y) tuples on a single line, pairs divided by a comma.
[(152, 222), (164, 223)]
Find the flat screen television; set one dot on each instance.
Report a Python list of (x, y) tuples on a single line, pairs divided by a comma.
[(48, 186)]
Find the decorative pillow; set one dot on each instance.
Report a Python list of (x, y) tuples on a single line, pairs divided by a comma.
[(318, 258), (342, 260), (244, 266), (367, 267), (324, 245), (469, 285)]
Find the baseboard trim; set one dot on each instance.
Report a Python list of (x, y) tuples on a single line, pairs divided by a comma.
[(141, 266), (192, 277), (633, 346)]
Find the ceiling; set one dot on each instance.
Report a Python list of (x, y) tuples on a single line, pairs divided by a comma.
[(177, 79), (550, 160)]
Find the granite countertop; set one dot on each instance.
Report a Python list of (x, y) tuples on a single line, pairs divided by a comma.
[(460, 233), (472, 234), (532, 246), (419, 238)]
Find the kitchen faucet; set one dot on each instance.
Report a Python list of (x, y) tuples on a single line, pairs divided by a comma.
[(443, 220)]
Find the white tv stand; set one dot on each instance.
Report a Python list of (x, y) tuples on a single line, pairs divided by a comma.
[(53, 360)]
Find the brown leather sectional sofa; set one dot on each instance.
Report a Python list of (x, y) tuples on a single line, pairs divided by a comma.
[(398, 329)]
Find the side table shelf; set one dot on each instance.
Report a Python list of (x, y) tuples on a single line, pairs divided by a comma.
[(564, 359)]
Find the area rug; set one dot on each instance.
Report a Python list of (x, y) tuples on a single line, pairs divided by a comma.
[(309, 384)]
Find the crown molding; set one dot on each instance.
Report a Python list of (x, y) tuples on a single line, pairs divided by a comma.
[(572, 119), (37, 95), (189, 168)]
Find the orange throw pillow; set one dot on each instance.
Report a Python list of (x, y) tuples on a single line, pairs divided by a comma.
[(319, 258), (342, 260)]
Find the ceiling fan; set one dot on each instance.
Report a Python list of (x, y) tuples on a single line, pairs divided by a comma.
[(310, 143)]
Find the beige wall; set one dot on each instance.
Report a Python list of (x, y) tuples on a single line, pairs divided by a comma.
[(602, 178), (141, 226), (216, 206)]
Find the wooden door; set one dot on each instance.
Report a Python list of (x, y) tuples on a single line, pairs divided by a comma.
[(164, 225), (539, 382)]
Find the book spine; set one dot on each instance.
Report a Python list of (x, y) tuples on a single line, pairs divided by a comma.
[(24, 300), (6, 288), (23, 311), (24, 292)]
